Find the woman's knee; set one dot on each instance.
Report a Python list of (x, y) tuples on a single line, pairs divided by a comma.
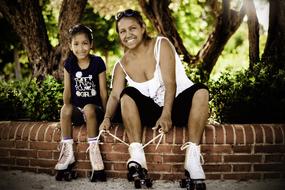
[(202, 95)]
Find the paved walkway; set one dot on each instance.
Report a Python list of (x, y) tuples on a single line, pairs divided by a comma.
[(18, 180)]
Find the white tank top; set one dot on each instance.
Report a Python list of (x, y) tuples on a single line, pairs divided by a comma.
[(154, 88)]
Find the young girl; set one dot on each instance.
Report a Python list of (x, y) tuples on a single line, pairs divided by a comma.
[(84, 98)]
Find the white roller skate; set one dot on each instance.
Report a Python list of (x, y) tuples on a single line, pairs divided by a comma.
[(194, 172), (137, 166), (66, 162), (98, 173)]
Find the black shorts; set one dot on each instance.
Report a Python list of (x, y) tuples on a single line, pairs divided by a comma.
[(77, 117), (150, 112)]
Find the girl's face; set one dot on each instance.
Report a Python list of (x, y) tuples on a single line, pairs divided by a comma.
[(80, 46), (130, 32)]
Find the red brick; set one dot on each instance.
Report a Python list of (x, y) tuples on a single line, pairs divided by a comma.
[(209, 134), (106, 147), (229, 134), (269, 167), (212, 158), (279, 134), (12, 131), (213, 176), (268, 133), (84, 165), (81, 147), (176, 149), (120, 147), (5, 132), (159, 167), (120, 166), (240, 135), (249, 136), (242, 176), (269, 148), (272, 175), (116, 157), (22, 144), (22, 162), (148, 135), (180, 135), (173, 158), (275, 158), (45, 154), (242, 158), (242, 168), (242, 148), (169, 137), (49, 133), (154, 158), (43, 163), (7, 161), (4, 152), (114, 174), (34, 132), (217, 167), (259, 136), (43, 146), (26, 132), (220, 135), (171, 177), (41, 133), (24, 153), (216, 149), (81, 156), (7, 144), (162, 148)]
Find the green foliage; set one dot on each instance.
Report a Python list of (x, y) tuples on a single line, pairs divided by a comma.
[(30, 99), (255, 96)]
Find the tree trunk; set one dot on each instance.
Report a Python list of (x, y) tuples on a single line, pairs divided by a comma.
[(27, 20), (227, 24), (70, 13), (253, 33), (17, 66), (274, 52), (159, 14)]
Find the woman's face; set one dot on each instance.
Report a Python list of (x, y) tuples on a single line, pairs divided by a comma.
[(80, 46), (130, 32)]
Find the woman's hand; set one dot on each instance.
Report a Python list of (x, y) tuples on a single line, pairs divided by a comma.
[(164, 122), (106, 124)]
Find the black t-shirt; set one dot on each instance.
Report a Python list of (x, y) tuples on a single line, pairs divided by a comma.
[(85, 82)]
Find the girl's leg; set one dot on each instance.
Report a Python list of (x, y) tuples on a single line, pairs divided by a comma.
[(65, 121), (95, 157)]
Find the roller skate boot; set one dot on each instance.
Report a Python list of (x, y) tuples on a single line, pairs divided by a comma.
[(98, 173), (137, 167), (66, 162), (194, 173)]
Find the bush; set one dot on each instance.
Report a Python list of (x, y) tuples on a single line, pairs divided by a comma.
[(253, 96), (29, 99)]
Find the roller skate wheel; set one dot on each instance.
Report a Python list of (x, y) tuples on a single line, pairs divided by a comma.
[(183, 183), (148, 183), (137, 183)]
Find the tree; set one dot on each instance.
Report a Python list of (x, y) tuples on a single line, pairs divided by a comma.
[(274, 51), (27, 20)]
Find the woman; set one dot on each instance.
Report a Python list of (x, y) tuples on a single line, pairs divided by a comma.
[(158, 95)]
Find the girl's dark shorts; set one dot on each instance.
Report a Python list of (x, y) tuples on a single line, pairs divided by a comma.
[(150, 112), (77, 117)]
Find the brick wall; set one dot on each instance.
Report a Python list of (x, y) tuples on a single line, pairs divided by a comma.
[(230, 151)]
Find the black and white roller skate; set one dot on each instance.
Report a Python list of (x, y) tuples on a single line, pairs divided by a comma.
[(98, 173), (66, 162), (137, 167), (138, 175), (194, 173)]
